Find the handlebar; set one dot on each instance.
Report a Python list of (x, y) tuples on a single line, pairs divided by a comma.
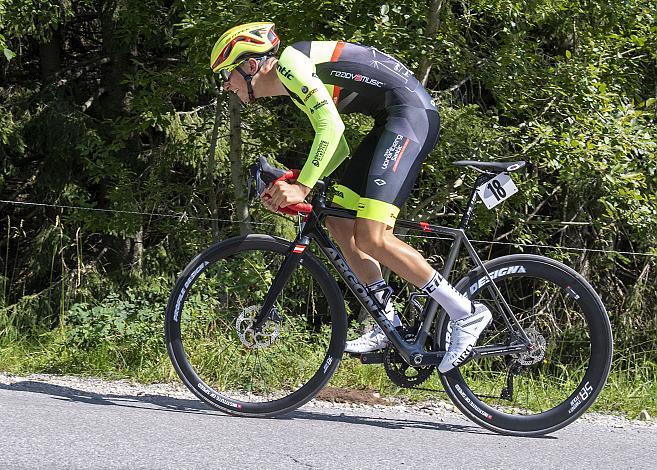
[(294, 209), (264, 174)]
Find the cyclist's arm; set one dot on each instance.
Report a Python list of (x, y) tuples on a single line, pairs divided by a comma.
[(341, 152), (297, 73)]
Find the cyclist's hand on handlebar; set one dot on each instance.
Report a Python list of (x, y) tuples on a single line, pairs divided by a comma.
[(282, 194)]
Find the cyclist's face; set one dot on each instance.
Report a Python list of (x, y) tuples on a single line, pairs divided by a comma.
[(235, 82)]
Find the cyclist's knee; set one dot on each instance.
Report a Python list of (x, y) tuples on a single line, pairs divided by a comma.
[(370, 236), (341, 229)]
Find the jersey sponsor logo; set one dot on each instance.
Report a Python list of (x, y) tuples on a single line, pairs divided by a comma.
[(380, 182), (318, 106), (392, 153), (321, 150), (357, 78), (339, 194), (284, 71), (304, 89), (309, 93)]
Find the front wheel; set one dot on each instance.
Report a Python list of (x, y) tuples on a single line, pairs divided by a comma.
[(539, 391), (228, 364)]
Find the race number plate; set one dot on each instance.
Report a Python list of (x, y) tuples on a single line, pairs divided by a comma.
[(496, 190)]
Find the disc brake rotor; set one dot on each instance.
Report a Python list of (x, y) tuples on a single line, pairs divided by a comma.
[(537, 353), (257, 339)]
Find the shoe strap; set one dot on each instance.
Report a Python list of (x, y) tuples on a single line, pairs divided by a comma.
[(387, 293)]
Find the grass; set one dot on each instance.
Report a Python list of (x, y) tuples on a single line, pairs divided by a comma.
[(627, 392)]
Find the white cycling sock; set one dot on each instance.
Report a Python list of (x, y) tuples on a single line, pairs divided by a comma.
[(391, 313), (455, 304)]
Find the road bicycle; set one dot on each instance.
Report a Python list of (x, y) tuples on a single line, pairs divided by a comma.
[(256, 325)]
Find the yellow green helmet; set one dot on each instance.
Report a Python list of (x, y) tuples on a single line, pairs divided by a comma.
[(241, 42)]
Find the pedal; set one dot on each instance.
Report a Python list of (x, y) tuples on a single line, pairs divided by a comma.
[(375, 357)]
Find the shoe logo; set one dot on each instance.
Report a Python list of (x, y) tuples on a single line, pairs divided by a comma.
[(464, 355), (380, 182)]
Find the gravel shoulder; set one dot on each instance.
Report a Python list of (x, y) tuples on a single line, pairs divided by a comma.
[(330, 398)]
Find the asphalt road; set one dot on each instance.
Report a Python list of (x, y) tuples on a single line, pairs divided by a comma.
[(52, 426)]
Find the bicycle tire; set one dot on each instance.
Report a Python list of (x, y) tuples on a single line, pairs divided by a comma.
[(207, 307), (565, 297)]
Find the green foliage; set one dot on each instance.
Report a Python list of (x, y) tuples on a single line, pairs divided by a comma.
[(110, 106), (130, 320)]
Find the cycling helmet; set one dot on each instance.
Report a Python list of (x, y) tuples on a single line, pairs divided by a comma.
[(242, 42)]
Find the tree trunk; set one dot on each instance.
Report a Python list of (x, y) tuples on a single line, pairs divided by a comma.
[(119, 46), (117, 49), (138, 252), (433, 23), (236, 167), (49, 57), (209, 172)]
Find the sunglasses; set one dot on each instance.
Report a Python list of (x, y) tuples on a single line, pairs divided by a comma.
[(225, 73)]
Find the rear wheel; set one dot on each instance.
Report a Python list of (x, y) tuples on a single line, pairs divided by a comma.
[(214, 348), (540, 391)]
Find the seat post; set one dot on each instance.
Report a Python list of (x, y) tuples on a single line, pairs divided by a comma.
[(469, 209)]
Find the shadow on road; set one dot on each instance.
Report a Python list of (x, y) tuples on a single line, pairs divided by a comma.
[(387, 423), (183, 405), (163, 403)]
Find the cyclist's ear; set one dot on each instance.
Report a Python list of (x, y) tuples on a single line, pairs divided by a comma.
[(250, 66)]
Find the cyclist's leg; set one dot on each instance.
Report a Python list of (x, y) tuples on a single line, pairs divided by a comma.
[(376, 239), (410, 135), (366, 268), (407, 138), (352, 184)]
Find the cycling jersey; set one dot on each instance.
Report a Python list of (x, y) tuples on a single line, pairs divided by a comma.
[(326, 78)]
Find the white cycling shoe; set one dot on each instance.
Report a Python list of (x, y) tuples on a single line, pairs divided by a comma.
[(370, 341), (464, 334), (375, 339)]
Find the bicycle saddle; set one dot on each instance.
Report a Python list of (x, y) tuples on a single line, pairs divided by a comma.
[(496, 167)]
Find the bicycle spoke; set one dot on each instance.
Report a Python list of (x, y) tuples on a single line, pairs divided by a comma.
[(256, 368)]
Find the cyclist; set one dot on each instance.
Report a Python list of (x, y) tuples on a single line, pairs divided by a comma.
[(324, 79)]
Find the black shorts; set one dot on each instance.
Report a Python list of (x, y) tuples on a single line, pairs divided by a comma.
[(382, 171)]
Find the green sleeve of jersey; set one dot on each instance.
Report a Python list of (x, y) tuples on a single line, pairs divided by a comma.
[(338, 157), (297, 73)]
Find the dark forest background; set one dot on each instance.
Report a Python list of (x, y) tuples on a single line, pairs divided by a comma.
[(119, 159)]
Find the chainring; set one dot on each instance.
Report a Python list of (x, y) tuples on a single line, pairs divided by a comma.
[(401, 373)]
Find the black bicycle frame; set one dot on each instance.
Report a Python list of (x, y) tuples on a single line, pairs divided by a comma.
[(413, 352)]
